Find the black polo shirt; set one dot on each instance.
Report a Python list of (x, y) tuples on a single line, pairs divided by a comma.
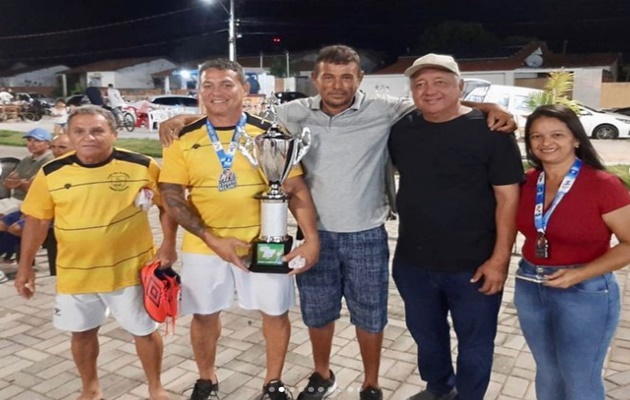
[(446, 200)]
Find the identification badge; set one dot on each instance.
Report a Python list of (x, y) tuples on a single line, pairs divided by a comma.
[(227, 180), (542, 247)]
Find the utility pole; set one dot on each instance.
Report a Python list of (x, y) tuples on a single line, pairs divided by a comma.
[(232, 32), (286, 53)]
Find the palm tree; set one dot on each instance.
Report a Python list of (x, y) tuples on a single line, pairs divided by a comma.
[(558, 86)]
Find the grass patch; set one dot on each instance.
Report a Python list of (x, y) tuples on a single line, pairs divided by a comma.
[(150, 147), (622, 171)]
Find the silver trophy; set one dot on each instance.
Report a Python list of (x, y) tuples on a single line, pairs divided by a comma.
[(274, 152)]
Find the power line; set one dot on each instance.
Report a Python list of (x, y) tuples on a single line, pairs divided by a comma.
[(92, 28), (115, 49)]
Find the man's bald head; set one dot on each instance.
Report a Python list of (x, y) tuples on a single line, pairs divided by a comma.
[(60, 145)]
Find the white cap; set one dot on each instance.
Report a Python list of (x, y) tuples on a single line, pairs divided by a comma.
[(433, 61)]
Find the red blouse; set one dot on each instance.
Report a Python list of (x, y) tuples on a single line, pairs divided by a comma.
[(576, 232)]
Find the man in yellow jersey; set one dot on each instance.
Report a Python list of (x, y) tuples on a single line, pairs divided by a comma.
[(221, 218), (98, 197)]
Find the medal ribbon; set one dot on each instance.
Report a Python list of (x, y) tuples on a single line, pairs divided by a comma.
[(540, 220), (226, 158)]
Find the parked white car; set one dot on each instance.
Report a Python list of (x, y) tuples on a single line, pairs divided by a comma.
[(604, 125), (177, 104), (597, 124)]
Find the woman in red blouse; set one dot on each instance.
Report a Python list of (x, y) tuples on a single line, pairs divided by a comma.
[(566, 295)]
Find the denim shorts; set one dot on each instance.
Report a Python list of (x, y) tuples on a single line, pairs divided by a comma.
[(351, 265)]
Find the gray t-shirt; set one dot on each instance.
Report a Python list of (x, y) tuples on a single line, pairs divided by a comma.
[(27, 168), (346, 165)]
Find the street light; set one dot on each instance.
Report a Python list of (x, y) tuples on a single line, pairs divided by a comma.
[(231, 28)]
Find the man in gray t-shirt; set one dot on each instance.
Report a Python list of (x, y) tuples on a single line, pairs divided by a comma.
[(346, 170), (18, 181)]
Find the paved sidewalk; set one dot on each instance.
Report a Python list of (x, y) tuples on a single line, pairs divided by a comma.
[(36, 364)]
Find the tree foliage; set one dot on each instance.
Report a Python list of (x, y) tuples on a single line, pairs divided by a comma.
[(556, 91), (451, 35)]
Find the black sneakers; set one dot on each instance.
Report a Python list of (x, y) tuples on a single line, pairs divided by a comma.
[(318, 388), (371, 393), (426, 395), (204, 390), (275, 390)]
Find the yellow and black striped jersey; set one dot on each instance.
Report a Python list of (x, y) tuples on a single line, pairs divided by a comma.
[(192, 162), (103, 238)]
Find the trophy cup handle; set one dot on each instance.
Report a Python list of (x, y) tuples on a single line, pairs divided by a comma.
[(304, 143), (247, 148)]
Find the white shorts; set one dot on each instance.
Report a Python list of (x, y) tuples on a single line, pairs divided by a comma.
[(82, 312), (9, 205), (208, 285)]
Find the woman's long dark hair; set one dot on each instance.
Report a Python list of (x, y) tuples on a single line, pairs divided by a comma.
[(586, 152)]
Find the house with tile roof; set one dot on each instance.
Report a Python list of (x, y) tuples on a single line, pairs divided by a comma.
[(126, 73), (24, 76)]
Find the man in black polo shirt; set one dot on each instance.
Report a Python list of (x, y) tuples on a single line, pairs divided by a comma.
[(457, 202)]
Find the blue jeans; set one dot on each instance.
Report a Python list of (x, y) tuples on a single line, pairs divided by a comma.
[(568, 332), (428, 297)]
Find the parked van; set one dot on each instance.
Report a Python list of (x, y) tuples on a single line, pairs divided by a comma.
[(513, 98)]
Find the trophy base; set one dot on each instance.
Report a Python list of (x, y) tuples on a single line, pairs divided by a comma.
[(267, 256)]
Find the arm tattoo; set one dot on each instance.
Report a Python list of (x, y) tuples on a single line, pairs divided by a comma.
[(181, 210)]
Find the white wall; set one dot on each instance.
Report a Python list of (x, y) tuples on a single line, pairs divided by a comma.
[(393, 85), (139, 76), (587, 86), (398, 85), (100, 78), (40, 77), (496, 78), (267, 84)]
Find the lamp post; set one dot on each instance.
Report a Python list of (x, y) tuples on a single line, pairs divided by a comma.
[(231, 28), (232, 32)]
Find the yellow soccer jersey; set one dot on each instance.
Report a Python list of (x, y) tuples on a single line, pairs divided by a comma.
[(103, 239), (192, 162)]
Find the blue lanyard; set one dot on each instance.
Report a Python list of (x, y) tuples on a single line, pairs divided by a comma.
[(226, 158), (540, 220)]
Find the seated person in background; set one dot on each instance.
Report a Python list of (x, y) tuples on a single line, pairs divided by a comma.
[(8, 241), (144, 107), (60, 145), (5, 96), (11, 225), (19, 180)]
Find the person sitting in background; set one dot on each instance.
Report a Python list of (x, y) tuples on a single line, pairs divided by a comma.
[(566, 296), (19, 180), (11, 225), (144, 107), (5, 96), (60, 145), (10, 230)]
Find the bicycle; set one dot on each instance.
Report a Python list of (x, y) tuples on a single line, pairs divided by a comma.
[(124, 119)]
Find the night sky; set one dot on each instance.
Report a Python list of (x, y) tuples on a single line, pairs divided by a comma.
[(75, 32)]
